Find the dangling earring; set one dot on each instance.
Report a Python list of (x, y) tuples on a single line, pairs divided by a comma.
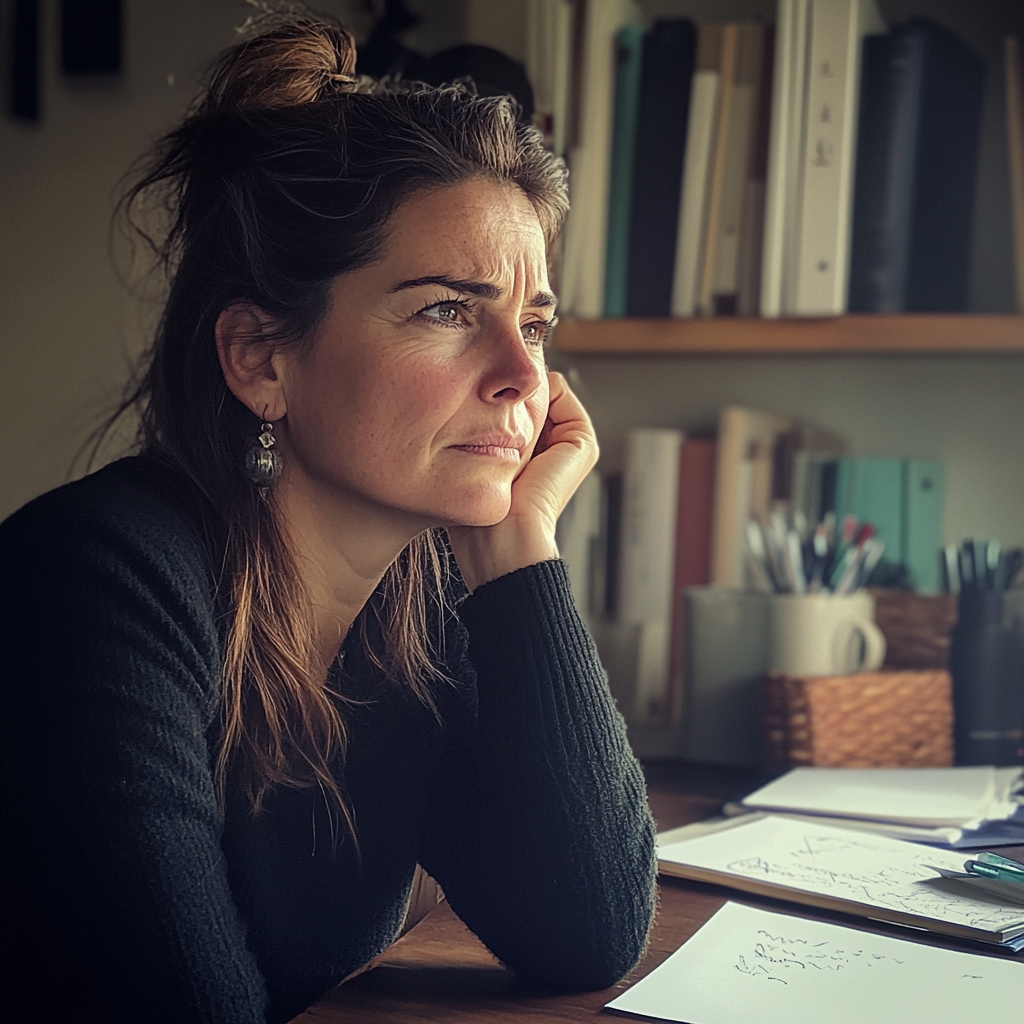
[(262, 463)]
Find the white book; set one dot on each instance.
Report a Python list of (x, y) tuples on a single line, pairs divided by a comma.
[(586, 236), (578, 530), (785, 145), (646, 562), (549, 65), (837, 30), (696, 167), (746, 440)]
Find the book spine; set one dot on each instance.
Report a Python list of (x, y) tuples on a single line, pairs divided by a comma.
[(1015, 144), (692, 549), (578, 528), (586, 230), (700, 134), (782, 185), (922, 526), (628, 56), (650, 497), (669, 52), (833, 88), (953, 86), (886, 160), (738, 159), (716, 184)]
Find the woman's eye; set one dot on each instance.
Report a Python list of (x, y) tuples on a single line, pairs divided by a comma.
[(450, 312), (536, 332)]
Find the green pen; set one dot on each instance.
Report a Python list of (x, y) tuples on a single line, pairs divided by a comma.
[(991, 865)]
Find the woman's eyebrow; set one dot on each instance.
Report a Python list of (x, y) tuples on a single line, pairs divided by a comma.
[(483, 289)]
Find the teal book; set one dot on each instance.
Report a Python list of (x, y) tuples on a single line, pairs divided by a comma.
[(922, 524), (872, 489), (628, 60)]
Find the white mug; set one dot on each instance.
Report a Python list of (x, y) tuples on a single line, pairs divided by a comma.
[(823, 634)]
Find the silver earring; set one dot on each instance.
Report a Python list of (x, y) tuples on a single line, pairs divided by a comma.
[(262, 463)]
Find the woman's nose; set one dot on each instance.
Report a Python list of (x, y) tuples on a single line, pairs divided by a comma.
[(515, 370)]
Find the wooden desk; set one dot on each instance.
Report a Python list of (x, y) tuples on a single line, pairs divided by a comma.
[(440, 971)]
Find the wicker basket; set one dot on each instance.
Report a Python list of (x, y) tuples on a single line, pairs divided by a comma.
[(866, 720)]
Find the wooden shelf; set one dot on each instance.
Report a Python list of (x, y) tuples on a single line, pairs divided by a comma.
[(855, 333)]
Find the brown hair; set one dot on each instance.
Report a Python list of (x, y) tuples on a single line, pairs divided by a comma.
[(283, 176)]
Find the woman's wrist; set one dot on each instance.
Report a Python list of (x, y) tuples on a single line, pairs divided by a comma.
[(485, 553)]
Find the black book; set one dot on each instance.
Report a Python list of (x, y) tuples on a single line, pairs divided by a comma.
[(666, 71), (917, 154)]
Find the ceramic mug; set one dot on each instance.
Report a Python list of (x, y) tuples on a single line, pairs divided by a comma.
[(823, 634)]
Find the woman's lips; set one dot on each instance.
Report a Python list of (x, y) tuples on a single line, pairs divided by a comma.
[(492, 450), (499, 446)]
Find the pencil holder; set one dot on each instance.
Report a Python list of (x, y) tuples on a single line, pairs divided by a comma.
[(986, 659)]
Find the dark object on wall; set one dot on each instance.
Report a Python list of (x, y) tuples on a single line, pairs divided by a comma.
[(493, 73), (917, 154), (669, 52), (384, 53), (90, 37), (25, 61), (987, 661)]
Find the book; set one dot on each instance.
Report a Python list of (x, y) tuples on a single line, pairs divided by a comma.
[(649, 501), (960, 798), (576, 534), (922, 523), (669, 50), (916, 163), (823, 216), (628, 56), (586, 231), (718, 169), (748, 300), (692, 551), (744, 98), (743, 486), (700, 134), (872, 490), (549, 26), (782, 184), (751, 964), (1014, 68), (841, 870)]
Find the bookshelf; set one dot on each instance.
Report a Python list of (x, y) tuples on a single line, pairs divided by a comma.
[(856, 334)]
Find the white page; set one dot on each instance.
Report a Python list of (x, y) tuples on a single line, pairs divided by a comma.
[(844, 864), (750, 965), (922, 796)]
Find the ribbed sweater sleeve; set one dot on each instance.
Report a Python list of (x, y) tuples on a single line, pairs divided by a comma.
[(117, 902), (541, 836)]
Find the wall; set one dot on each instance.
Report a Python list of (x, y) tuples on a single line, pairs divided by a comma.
[(70, 331)]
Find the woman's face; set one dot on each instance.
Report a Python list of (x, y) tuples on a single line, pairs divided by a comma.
[(425, 390)]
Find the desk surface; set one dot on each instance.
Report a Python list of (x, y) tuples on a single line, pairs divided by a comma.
[(441, 972)]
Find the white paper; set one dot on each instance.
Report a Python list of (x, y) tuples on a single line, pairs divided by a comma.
[(872, 870), (914, 796), (750, 965)]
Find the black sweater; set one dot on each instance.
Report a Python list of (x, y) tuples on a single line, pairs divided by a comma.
[(129, 897)]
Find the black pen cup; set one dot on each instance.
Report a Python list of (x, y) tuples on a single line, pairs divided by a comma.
[(986, 659)]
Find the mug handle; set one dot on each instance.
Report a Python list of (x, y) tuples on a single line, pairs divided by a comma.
[(873, 647)]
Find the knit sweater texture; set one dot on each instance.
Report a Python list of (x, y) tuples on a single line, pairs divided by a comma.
[(129, 896)]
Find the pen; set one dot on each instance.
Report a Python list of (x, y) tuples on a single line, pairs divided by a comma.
[(1004, 871)]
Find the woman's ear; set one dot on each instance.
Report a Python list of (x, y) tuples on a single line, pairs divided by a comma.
[(246, 356)]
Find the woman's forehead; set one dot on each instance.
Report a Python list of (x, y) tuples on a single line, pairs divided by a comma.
[(478, 230)]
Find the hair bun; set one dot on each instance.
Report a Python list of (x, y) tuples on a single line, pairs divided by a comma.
[(285, 61)]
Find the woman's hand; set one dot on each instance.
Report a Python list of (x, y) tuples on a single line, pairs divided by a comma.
[(565, 453)]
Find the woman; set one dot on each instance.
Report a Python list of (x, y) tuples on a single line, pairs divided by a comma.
[(245, 691)]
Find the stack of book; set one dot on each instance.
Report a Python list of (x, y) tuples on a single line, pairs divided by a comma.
[(808, 167), (676, 517)]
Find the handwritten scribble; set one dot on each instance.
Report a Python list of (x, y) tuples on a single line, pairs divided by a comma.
[(785, 960), (822, 863)]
